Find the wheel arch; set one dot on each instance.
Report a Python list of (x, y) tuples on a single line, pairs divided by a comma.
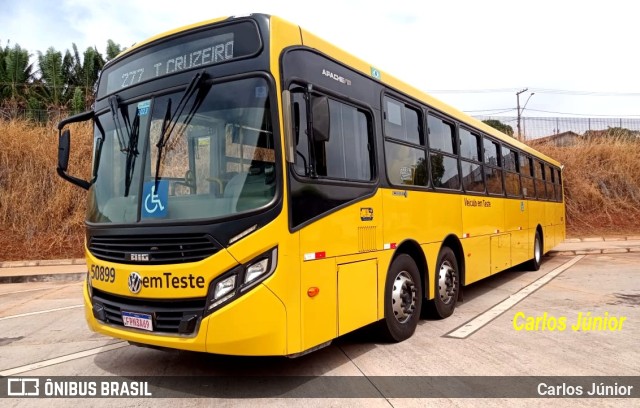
[(412, 248), (452, 242)]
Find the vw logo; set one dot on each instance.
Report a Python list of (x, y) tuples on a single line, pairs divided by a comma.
[(135, 282)]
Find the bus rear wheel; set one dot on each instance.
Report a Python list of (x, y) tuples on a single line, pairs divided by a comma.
[(447, 285), (534, 263), (402, 299)]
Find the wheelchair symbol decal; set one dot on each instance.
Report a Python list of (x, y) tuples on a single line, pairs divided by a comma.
[(155, 199)]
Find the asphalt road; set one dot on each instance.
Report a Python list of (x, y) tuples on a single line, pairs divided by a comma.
[(492, 333)]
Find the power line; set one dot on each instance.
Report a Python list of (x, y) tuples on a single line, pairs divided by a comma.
[(536, 90), (582, 114), (491, 111)]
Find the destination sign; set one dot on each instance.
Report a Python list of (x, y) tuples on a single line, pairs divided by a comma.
[(187, 52)]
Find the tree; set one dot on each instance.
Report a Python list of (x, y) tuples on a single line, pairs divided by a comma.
[(83, 75), (15, 75), (113, 50), (54, 89), (496, 124)]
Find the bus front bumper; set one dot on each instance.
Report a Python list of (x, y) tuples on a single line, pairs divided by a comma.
[(254, 324)]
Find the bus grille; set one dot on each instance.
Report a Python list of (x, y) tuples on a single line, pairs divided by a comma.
[(153, 249), (167, 314)]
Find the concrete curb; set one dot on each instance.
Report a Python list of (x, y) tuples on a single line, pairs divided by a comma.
[(49, 277), (43, 262), (594, 251)]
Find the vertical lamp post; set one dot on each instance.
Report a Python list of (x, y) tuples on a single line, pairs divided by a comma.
[(518, 110), (521, 110)]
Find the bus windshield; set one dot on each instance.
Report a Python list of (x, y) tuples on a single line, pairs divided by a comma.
[(217, 159)]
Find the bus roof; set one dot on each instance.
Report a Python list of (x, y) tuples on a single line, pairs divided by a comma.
[(313, 41)]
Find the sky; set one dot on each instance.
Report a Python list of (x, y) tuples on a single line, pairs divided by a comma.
[(578, 57)]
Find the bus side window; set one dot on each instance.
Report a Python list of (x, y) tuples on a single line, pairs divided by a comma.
[(492, 171), (510, 166), (443, 152), (401, 122), (540, 188), (526, 176), (348, 154), (470, 156)]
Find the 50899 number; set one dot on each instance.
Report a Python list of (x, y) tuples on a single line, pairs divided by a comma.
[(103, 273)]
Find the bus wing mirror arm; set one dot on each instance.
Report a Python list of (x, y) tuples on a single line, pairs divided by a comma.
[(64, 149)]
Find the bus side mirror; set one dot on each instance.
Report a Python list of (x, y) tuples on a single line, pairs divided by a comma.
[(64, 146), (321, 118)]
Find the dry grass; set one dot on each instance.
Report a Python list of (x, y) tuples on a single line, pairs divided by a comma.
[(41, 215), (602, 185)]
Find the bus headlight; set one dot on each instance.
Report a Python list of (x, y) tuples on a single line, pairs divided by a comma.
[(255, 270), (224, 286), (240, 279)]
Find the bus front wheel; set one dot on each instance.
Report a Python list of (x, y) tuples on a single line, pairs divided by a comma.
[(447, 285), (402, 299)]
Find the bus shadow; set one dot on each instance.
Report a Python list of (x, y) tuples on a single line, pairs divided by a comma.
[(492, 282)]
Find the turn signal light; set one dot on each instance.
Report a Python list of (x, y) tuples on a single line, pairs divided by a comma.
[(312, 292)]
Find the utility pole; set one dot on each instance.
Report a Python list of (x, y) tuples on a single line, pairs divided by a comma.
[(518, 110)]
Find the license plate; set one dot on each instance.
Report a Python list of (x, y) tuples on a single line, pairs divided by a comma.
[(137, 320)]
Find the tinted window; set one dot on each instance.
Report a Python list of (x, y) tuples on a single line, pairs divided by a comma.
[(441, 135), (401, 122), (512, 184), (526, 165), (347, 154), (528, 189), (540, 190), (472, 177), (444, 171), (494, 180), (406, 165), (469, 145), (491, 153), (539, 171), (509, 159)]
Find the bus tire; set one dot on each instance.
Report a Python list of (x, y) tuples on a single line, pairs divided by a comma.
[(534, 263), (402, 300), (447, 285)]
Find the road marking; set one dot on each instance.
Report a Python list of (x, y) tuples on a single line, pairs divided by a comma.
[(40, 312), (63, 359), (478, 322)]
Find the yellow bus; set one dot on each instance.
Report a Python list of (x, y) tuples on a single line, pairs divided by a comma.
[(257, 191)]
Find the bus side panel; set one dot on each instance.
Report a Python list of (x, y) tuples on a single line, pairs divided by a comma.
[(357, 295), (536, 217), (482, 215), (319, 312), (424, 217), (560, 228), (477, 251), (350, 234), (516, 223), (549, 229)]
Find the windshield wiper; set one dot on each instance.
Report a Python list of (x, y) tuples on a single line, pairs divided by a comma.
[(114, 105), (170, 120), (132, 152)]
